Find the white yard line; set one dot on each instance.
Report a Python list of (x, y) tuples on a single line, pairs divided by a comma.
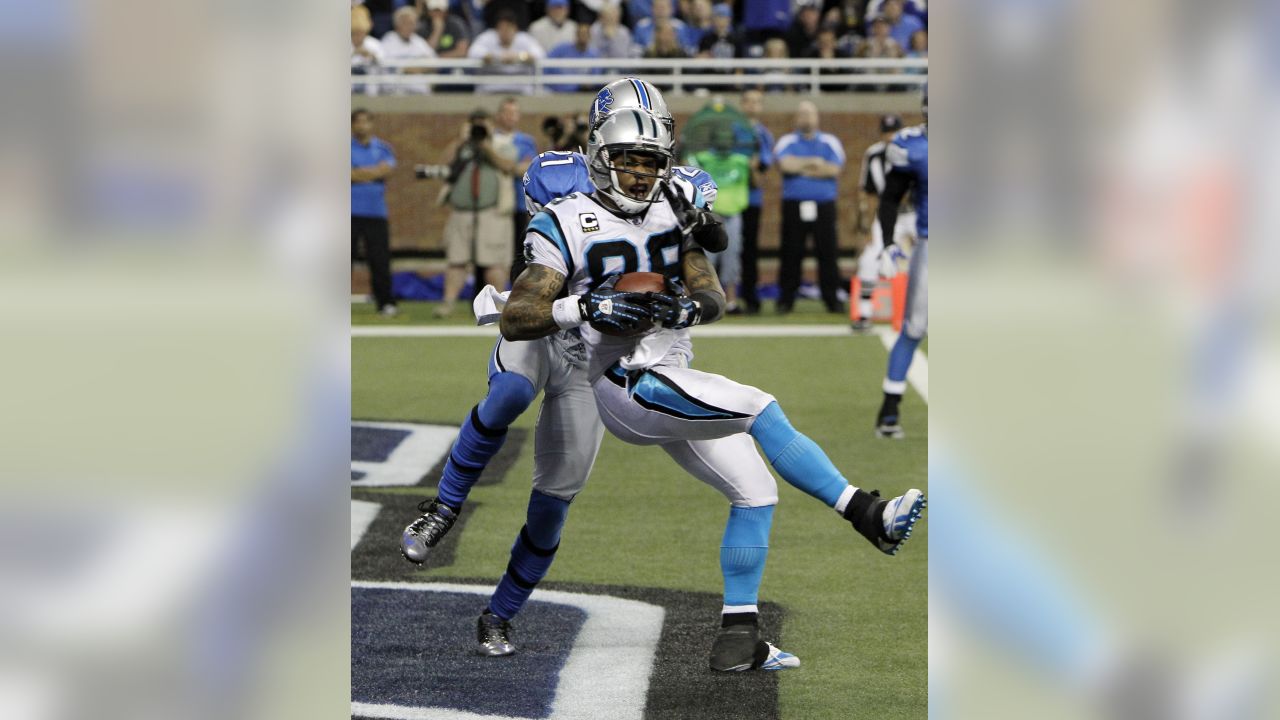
[(918, 375)]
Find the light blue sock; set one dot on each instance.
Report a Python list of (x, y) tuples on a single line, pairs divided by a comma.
[(743, 551), (797, 459)]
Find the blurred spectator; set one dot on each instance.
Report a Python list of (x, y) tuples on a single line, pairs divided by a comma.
[(810, 161), (403, 44), (723, 42), (518, 9), (826, 48), (610, 37), (776, 49), (731, 172), (765, 19), (506, 132), (643, 30), (555, 28), (761, 161), (637, 10), (666, 43), (480, 194), (380, 15), (506, 51), (447, 34), (901, 25), (471, 12), (804, 29), (566, 134), (372, 160), (698, 23), (846, 17), (579, 49), (918, 8), (919, 48), (879, 44), (366, 53)]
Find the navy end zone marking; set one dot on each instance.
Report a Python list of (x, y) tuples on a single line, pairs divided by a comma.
[(398, 454), (430, 661), (585, 656), (374, 444)]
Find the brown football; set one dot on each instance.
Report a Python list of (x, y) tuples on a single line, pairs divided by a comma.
[(635, 282)]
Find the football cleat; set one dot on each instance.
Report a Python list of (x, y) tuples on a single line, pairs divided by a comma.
[(779, 660), (738, 648), (890, 429), (862, 325), (493, 635), (886, 523), (422, 534)]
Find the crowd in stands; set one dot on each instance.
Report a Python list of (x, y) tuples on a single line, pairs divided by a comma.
[(509, 36)]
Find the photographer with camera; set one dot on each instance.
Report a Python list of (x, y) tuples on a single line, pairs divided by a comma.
[(481, 195)]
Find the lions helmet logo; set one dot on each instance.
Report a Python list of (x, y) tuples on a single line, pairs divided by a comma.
[(601, 107)]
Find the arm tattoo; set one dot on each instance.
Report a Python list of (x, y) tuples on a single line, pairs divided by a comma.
[(702, 283), (527, 315)]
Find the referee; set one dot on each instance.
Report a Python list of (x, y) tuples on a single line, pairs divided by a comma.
[(810, 161)]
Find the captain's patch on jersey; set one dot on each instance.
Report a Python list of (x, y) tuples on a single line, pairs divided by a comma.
[(590, 223)]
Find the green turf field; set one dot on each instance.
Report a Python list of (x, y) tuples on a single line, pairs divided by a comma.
[(856, 618)]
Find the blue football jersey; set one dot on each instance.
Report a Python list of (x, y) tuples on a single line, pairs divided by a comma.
[(556, 174), (909, 154), (553, 175)]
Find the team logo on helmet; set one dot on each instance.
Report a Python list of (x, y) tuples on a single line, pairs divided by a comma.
[(604, 99)]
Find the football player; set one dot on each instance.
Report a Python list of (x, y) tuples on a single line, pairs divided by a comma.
[(908, 159), (568, 432), (644, 388)]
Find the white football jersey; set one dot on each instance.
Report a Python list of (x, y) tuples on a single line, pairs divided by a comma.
[(582, 239)]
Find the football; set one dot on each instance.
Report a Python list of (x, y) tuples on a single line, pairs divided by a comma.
[(635, 282)]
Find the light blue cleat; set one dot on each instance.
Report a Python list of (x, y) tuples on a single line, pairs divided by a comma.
[(779, 660)]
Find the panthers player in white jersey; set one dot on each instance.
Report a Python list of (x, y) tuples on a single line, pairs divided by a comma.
[(568, 432), (644, 388)]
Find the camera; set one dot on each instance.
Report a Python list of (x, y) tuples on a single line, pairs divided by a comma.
[(478, 132)]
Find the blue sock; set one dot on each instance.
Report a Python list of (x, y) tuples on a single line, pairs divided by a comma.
[(797, 459), (743, 551), (531, 555), (481, 435), (900, 356)]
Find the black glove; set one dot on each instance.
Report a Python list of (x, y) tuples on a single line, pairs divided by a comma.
[(626, 311), (673, 309), (700, 223)]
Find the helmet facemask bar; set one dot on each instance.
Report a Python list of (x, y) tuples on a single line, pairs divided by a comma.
[(620, 166)]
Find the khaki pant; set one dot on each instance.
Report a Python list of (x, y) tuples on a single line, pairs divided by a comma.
[(491, 230)]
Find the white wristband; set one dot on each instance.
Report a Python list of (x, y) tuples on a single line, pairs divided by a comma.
[(566, 312)]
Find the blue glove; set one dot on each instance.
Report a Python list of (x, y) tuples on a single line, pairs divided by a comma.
[(673, 309), (624, 311)]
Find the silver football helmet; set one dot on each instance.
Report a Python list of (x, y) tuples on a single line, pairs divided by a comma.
[(630, 92), (625, 132)]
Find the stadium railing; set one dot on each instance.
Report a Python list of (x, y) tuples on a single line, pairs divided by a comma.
[(680, 75)]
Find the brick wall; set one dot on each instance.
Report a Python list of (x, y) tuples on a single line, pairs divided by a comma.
[(417, 223)]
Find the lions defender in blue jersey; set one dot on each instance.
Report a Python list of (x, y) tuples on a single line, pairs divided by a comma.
[(568, 432), (645, 389), (908, 160)]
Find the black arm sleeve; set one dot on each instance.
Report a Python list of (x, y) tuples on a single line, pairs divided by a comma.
[(712, 306), (896, 185), (712, 238)]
